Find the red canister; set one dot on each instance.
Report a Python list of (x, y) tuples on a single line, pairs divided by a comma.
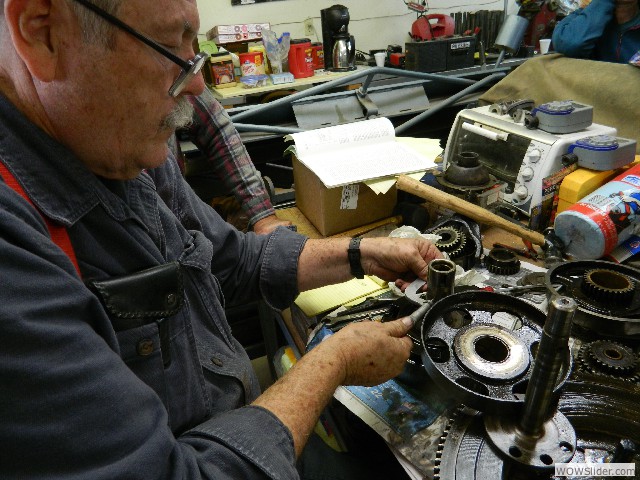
[(301, 58), (317, 55), (251, 63)]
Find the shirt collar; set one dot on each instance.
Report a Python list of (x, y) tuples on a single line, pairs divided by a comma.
[(57, 182)]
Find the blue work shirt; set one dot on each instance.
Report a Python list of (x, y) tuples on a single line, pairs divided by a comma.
[(82, 399), (593, 33)]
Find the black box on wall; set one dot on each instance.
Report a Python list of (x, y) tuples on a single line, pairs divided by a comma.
[(440, 54)]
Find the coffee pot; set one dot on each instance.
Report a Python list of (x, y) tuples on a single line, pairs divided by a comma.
[(339, 47), (344, 52)]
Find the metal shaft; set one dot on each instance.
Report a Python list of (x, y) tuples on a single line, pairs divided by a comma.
[(441, 277), (552, 350), (440, 283)]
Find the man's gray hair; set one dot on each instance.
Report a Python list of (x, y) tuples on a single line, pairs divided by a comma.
[(94, 27)]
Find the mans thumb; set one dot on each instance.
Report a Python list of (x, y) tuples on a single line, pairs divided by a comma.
[(401, 326)]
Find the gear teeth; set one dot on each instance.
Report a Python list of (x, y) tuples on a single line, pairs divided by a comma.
[(610, 359), (449, 238), (443, 439), (501, 261), (453, 241), (608, 286)]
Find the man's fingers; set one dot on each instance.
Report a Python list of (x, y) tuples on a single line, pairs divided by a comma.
[(400, 327)]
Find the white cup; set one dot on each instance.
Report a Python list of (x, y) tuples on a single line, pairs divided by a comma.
[(544, 45), (380, 58)]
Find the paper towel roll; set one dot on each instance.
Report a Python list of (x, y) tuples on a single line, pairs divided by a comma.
[(603, 219)]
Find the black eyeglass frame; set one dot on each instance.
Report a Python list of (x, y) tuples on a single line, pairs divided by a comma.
[(190, 68)]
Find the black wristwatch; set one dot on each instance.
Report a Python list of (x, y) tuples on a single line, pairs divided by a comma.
[(354, 258)]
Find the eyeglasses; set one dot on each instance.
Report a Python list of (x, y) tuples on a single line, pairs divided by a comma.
[(190, 68)]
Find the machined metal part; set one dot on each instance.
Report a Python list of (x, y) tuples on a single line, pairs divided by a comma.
[(491, 352), (440, 283), (612, 359), (453, 240), (501, 261), (604, 416), (542, 437), (450, 238), (553, 352), (441, 278), (555, 444), (597, 312), (608, 286), (464, 327)]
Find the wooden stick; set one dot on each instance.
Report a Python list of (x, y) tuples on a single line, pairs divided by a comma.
[(475, 212)]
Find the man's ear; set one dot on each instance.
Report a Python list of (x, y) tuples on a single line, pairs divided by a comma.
[(31, 24)]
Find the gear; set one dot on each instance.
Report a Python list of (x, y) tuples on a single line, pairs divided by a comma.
[(501, 261), (452, 240), (608, 286), (604, 357)]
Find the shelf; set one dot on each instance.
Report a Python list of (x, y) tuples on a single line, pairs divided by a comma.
[(321, 76)]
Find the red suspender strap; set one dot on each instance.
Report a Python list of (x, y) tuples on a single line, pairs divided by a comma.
[(58, 233)]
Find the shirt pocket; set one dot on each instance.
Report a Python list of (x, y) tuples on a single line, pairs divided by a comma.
[(150, 315)]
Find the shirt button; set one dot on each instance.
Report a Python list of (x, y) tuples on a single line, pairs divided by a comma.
[(172, 300), (216, 361), (145, 347)]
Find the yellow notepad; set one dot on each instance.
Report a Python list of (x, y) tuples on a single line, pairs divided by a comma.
[(319, 300)]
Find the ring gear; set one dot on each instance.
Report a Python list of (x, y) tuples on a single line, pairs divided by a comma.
[(608, 286)]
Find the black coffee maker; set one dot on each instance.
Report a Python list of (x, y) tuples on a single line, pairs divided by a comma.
[(339, 47)]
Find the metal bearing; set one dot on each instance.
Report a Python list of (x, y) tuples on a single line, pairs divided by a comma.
[(491, 351)]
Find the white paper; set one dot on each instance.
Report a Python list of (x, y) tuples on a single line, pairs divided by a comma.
[(356, 152), (349, 199)]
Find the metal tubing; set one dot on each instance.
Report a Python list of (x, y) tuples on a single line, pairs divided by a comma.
[(449, 101), (500, 58), (248, 127), (349, 79), (552, 351)]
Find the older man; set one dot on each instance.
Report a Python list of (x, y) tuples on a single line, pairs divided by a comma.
[(117, 361)]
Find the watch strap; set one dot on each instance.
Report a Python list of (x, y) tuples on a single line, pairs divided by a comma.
[(353, 253)]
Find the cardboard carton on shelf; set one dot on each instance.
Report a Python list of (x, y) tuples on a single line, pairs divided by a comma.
[(242, 32), (337, 209)]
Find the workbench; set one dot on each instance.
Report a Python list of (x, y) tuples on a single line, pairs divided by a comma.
[(292, 328)]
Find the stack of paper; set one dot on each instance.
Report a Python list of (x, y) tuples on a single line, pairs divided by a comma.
[(356, 152)]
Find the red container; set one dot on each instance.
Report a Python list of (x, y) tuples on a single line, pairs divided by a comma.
[(301, 58), (318, 55), (251, 63)]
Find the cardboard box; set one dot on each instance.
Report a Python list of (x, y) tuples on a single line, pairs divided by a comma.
[(335, 210), (237, 33), (240, 37)]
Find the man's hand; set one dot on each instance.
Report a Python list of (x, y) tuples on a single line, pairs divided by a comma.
[(371, 352), (323, 262), (269, 224), (364, 353), (398, 258)]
